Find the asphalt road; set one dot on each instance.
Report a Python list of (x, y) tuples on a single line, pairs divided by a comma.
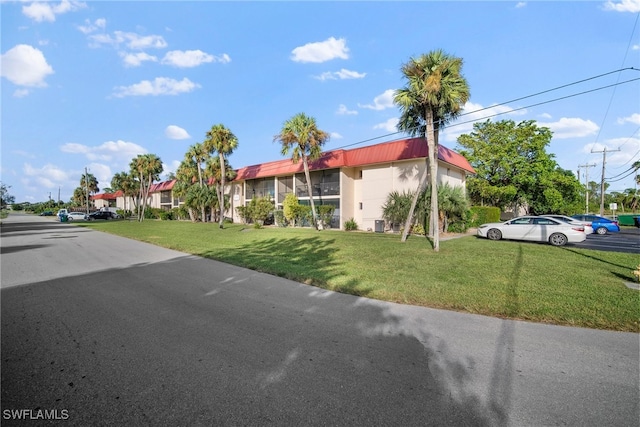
[(627, 240), (102, 330)]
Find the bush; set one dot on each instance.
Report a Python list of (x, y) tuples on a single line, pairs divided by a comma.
[(325, 214), (483, 214), (166, 215), (279, 218), (350, 225)]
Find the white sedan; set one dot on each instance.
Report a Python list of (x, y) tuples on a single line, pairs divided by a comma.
[(534, 228), (588, 229), (77, 216)]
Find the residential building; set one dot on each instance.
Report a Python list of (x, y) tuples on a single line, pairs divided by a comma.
[(356, 181)]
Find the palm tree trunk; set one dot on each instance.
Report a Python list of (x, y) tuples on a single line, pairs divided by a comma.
[(310, 190), (408, 223), (433, 170), (221, 192)]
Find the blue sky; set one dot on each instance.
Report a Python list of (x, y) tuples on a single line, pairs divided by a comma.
[(93, 84)]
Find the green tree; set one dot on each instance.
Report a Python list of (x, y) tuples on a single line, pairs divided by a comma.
[(452, 204), (127, 183), (147, 169), (5, 197), (514, 170), (199, 155), (214, 170), (224, 142), (435, 94), (300, 136)]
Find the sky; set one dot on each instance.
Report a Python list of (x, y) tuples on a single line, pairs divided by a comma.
[(92, 84)]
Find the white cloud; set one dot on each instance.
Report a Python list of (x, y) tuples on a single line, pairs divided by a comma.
[(47, 11), (321, 51), (634, 118), (571, 128), (25, 65), (390, 125), (632, 6), (191, 58), (48, 176), (336, 135), (159, 86), (176, 132), (520, 4), (135, 59), (472, 113), (620, 151), (343, 110), (381, 102), (343, 74), (132, 41), (110, 151), (91, 27), (21, 93)]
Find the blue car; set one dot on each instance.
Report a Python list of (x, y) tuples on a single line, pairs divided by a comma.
[(600, 224)]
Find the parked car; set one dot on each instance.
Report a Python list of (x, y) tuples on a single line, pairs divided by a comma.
[(601, 225), (103, 215), (77, 216), (46, 213), (588, 229), (535, 229)]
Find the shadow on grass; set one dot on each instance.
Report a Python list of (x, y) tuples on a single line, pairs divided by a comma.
[(594, 258), (307, 260)]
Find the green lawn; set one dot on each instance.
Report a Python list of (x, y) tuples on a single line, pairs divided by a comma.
[(535, 282)]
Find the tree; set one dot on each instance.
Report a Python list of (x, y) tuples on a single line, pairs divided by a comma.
[(514, 170), (127, 183), (5, 197), (199, 155), (215, 171), (185, 176), (301, 136), (434, 95), (147, 169), (223, 141)]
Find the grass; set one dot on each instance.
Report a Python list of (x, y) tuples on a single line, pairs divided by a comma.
[(515, 280)]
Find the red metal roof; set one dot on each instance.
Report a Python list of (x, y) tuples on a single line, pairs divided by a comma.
[(402, 149)]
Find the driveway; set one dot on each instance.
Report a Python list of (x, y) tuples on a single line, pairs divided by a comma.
[(103, 330)]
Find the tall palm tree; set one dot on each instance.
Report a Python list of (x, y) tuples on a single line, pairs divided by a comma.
[(126, 183), (223, 141), (199, 154), (435, 94), (214, 170), (147, 169), (300, 136)]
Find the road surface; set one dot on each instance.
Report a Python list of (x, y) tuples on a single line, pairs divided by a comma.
[(102, 330)]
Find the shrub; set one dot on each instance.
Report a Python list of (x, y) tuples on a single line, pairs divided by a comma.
[(351, 225), (483, 214), (325, 213), (165, 215), (290, 207), (279, 218)]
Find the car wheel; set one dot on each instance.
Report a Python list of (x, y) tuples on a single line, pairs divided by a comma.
[(70, 219), (494, 234), (558, 239), (601, 230)]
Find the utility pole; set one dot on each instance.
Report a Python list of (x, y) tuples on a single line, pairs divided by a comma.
[(586, 184), (604, 162)]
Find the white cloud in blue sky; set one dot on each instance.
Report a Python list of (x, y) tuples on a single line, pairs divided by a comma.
[(176, 132), (327, 50)]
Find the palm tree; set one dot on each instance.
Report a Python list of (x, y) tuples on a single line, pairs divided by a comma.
[(435, 94), (214, 170), (147, 169), (223, 141), (301, 136), (185, 176), (199, 154), (126, 183)]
